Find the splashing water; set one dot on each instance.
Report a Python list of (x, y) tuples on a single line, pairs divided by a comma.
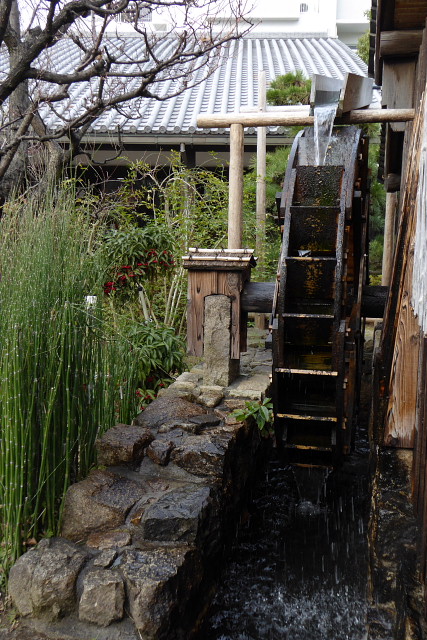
[(324, 116), (298, 570)]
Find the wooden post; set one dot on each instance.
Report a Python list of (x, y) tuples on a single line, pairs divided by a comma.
[(261, 175), (261, 152), (392, 200), (235, 201)]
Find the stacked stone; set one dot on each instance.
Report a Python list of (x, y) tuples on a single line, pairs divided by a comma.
[(140, 532)]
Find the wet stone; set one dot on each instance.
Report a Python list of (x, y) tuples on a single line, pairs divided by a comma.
[(176, 516), (105, 558), (208, 420), (103, 597), (157, 582), (160, 451), (42, 582), (199, 456), (110, 539), (167, 409), (98, 503), (123, 444)]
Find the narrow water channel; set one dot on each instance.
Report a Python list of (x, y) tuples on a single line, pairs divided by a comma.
[(298, 570)]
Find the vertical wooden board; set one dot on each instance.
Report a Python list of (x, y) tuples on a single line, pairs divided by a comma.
[(405, 236), (399, 87), (230, 284), (357, 92), (200, 285), (420, 453), (401, 413)]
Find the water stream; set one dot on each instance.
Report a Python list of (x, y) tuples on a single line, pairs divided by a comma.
[(324, 116), (298, 569)]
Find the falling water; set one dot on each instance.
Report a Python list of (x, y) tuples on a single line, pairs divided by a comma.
[(298, 570), (324, 116)]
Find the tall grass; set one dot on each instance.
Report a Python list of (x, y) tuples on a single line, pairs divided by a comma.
[(64, 375)]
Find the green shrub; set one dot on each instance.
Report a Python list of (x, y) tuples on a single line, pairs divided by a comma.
[(70, 367)]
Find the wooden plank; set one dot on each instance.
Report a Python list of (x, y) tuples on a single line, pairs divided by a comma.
[(277, 119), (400, 43), (357, 92), (409, 14), (230, 284), (392, 202), (421, 69), (258, 296), (374, 300), (200, 285), (400, 338), (399, 87), (420, 453), (401, 411)]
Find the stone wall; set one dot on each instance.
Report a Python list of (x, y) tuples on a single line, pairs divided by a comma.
[(143, 534)]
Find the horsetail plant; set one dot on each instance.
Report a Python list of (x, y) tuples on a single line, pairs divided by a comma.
[(66, 374)]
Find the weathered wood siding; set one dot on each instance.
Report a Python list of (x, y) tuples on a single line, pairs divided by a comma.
[(401, 328)]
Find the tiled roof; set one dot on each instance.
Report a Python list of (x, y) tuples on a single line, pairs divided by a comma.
[(232, 85)]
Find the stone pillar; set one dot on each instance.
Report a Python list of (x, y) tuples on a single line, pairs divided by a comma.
[(219, 368)]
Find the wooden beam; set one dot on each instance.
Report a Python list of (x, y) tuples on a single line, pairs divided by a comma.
[(400, 43), (235, 199), (285, 119), (392, 203), (258, 297), (374, 300)]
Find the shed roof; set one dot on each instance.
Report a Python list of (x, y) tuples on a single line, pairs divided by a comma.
[(232, 84)]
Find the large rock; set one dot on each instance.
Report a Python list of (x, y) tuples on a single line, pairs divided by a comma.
[(253, 387), (176, 516), (109, 539), (160, 451), (200, 455), (98, 503), (123, 444), (42, 582), (159, 583), (167, 410), (211, 395), (103, 597)]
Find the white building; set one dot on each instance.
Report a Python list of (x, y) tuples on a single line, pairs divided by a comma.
[(342, 19)]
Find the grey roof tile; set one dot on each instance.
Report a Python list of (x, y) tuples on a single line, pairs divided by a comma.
[(232, 84)]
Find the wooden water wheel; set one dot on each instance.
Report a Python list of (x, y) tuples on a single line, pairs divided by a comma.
[(316, 322)]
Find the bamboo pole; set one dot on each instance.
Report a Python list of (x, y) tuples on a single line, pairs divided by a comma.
[(261, 153), (235, 200), (358, 116)]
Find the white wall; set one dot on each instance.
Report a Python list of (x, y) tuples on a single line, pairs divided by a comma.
[(328, 18)]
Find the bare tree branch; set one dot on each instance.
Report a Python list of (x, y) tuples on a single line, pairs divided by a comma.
[(34, 84)]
